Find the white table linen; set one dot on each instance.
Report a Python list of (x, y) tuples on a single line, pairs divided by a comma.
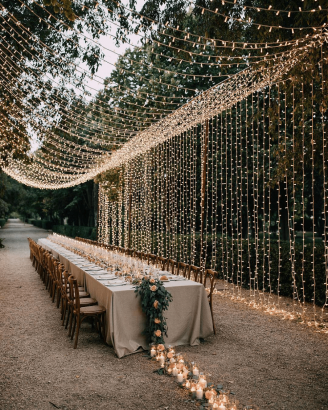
[(188, 316)]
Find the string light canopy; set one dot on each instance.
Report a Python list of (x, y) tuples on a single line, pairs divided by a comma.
[(43, 173), (77, 138)]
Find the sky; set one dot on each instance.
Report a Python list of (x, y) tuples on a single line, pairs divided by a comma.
[(107, 44)]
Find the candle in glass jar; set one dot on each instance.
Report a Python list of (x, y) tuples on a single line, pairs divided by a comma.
[(187, 384), (202, 381), (222, 407), (175, 371), (199, 392), (161, 359), (152, 352), (195, 371), (180, 377)]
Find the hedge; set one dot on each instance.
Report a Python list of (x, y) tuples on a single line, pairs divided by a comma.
[(86, 232), (232, 254), (2, 222), (42, 224)]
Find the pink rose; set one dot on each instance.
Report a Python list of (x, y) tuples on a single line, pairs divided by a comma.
[(158, 333), (170, 355), (153, 288), (209, 394), (157, 321), (152, 281), (156, 304), (160, 347)]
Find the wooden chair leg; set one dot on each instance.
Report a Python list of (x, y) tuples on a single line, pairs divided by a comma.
[(64, 310), (211, 307), (77, 332), (73, 327), (58, 296), (102, 326), (54, 291), (68, 315), (72, 316)]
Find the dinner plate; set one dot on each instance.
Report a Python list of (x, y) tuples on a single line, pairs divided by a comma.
[(109, 283), (95, 272)]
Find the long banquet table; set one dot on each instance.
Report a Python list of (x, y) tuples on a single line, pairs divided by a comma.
[(188, 316)]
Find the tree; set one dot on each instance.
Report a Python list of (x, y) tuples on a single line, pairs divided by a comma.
[(39, 51)]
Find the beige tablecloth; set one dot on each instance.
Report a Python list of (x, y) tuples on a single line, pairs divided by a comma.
[(188, 316)]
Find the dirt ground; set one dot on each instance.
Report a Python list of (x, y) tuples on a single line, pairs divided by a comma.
[(266, 361)]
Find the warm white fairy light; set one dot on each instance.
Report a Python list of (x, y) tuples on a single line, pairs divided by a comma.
[(146, 140), (169, 148)]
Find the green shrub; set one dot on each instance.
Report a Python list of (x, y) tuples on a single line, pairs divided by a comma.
[(47, 225), (31, 221), (1, 244), (230, 267), (242, 273), (2, 222), (86, 232), (38, 223)]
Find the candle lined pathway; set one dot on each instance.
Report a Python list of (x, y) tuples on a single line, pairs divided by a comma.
[(190, 378)]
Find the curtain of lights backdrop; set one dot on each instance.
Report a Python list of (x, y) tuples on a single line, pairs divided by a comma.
[(243, 192)]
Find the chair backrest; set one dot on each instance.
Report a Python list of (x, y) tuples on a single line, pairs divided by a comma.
[(195, 273), (209, 279), (138, 254), (173, 267), (151, 259), (162, 262), (183, 269), (74, 293), (60, 276)]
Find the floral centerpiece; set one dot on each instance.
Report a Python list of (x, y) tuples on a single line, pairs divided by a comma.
[(155, 300)]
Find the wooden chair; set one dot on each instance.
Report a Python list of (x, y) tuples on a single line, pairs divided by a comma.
[(172, 267), (82, 312), (151, 259), (31, 245), (44, 266), (195, 274), (162, 263), (70, 297), (65, 295), (50, 266), (183, 269), (138, 255)]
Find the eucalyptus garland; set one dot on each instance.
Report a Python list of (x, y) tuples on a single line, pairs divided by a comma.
[(154, 300)]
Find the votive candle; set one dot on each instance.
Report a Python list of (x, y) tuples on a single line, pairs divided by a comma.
[(195, 371), (199, 393)]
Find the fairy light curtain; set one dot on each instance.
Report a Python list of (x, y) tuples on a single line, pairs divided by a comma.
[(242, 191), (235, 179)]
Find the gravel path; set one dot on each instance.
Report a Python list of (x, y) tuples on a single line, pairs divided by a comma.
[(266, 361)]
